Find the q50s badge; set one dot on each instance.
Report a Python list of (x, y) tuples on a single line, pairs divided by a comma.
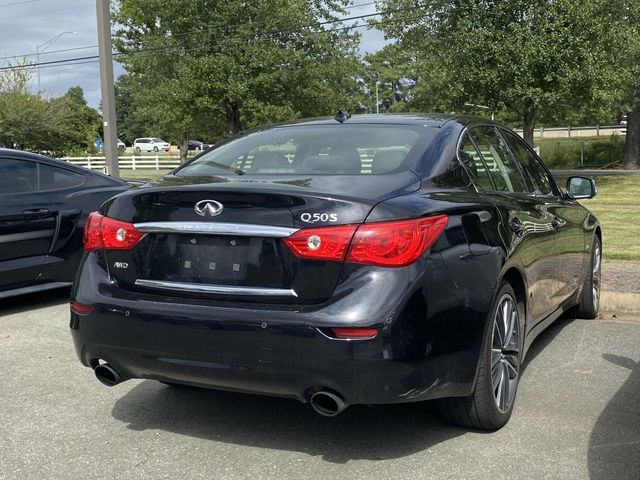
[(319, 217)]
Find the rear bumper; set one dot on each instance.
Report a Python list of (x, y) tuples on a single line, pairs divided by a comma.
[(283, 353)]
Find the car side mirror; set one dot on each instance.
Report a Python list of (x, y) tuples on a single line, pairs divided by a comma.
[(581, 187)]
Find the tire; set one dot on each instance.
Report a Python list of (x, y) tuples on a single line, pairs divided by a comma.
[(137, 149), (590, 295), (491, 404), (155, 149)]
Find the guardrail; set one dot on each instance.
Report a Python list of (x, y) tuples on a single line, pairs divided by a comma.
[(141, 162)]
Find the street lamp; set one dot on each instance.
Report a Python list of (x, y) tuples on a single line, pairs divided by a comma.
[(377, 101), (480, 106), (44, 46)]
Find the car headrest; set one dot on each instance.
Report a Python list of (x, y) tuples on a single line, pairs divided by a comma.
[(386, 161), (269, 162)]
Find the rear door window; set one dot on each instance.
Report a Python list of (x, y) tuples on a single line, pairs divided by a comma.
[(53, 178), (496, 154), (474, 165), (537, 176)]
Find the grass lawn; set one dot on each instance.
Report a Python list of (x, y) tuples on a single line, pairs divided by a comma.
[(617, 206)]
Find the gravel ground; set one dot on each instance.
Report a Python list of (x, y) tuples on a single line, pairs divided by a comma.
[(621, 276)]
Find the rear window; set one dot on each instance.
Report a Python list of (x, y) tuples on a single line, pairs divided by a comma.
[(315, 150)]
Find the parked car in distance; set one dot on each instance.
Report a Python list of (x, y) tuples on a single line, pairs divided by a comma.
[(365, 260), (623, 124), (149, 144), (44, 204), (196, 145), (121, 145)]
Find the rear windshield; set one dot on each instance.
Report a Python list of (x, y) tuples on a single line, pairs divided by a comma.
[(315, 150)]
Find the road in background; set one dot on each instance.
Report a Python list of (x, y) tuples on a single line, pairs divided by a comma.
[(576, 417)]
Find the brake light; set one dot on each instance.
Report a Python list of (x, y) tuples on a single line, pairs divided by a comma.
[(354, 333), (322, 243), (395, 244), (387, 244), (104, 232)]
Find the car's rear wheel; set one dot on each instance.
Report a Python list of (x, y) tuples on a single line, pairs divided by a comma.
[(155, 149), (491, 404), (137, 149), (590, 296)]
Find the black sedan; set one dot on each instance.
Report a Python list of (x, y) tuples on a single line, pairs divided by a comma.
[(43, 207), (364, 260)]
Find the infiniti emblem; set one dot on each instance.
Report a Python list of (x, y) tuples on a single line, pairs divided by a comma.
[(209, 208)]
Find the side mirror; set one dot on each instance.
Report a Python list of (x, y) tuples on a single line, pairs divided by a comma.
[(581, 187)]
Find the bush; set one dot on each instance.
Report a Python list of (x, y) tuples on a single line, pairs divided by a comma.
[(565, 153)]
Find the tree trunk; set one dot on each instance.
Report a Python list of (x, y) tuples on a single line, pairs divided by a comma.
[(184, 147), (528, 124), (233, 118), (632, 142)]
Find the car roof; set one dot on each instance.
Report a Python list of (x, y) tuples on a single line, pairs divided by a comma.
[(419, 119), (54, 162)]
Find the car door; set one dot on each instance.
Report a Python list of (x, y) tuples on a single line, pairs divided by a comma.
[(530, 221), (568, 219), (27, 224)]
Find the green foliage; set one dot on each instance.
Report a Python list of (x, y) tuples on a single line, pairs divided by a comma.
[(53, 126), (232, 64), (565, 153), (530, 57)]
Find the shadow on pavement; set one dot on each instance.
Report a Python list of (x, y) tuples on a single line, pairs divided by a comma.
[(34, 301), (360, 432), (614, 445), (545, 338)]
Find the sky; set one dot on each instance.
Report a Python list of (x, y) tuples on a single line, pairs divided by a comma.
[(27, 25)]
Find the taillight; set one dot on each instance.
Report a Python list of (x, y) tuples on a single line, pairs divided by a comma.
[(104, 232), (395, 244), (322, 243), (388, 244)]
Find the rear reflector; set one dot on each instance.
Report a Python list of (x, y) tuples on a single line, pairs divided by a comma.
[(81, 309), (388, 244), (104, 232), (354, 332)]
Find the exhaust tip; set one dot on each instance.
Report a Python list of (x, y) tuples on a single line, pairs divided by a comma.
[(327, 404), (107, 375)]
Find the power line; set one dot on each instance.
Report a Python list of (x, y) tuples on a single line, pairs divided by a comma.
[(49, 52), (84, 5), (18, 3), (94, 58)]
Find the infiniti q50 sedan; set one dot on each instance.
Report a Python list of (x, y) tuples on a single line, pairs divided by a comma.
[(363, 260)]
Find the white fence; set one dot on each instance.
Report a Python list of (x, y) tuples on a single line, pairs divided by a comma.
[(141, 162), (570, 132)]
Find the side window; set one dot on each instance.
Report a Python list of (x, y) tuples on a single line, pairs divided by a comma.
[(18, 176), (52, 178), (497, 156), (476, 168), (536, 174)]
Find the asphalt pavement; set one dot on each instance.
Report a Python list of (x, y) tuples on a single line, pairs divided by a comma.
[(577, 416)]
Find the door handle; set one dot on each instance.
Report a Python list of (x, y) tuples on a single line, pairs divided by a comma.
[(35, 212), (557, 223)]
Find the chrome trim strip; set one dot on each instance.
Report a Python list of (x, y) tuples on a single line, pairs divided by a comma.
[(217, 228), (216, 289), (18, 237)]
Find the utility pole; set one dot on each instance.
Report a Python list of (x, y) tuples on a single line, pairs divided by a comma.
[(107, 88)]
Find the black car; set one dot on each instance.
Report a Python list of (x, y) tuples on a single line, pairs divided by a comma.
[(43, 207), (196, 145), (364, 260)]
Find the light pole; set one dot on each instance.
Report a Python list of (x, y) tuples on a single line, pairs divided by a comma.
[(480, 106), (377, 102), (44, 46)]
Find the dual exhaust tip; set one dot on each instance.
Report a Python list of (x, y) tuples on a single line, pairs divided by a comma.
[(324, 402)]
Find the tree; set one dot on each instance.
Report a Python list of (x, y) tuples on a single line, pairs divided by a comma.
[(629, 74), (527, 56), (239, 62)]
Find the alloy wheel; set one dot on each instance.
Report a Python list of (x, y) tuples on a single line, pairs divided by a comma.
[(505, 353), (596, 274)]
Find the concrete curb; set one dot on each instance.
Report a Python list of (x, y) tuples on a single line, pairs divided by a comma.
[(620, 303)]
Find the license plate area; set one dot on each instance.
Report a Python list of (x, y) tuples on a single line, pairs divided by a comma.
[(216, 260)]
